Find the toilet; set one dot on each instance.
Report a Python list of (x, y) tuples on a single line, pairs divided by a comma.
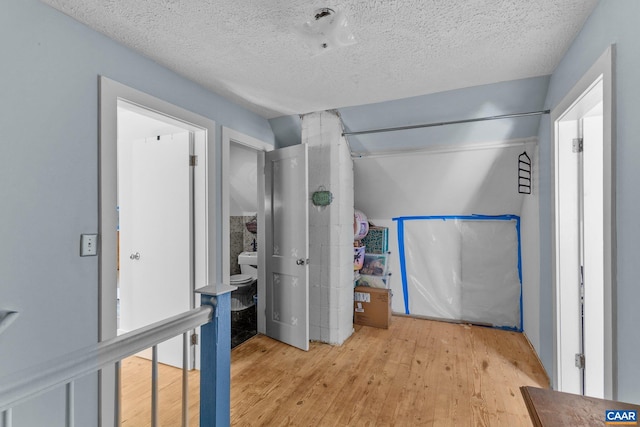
[(245, 282), (248, 262)]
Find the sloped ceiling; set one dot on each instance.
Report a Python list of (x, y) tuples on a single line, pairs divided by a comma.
[(251, 52)]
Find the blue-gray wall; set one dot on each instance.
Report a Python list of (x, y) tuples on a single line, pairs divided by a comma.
[(612, 22), (49, 181), (287, 130), (517, 96)]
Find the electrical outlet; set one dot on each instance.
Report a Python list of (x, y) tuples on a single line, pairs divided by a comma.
[(88, 244)]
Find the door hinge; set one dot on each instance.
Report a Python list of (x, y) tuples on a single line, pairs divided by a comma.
[(194, 339), (579, 360), (193, 160), (577, 145)]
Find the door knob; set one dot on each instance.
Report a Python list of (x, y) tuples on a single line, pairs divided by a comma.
[(302, 261), (135, 256)]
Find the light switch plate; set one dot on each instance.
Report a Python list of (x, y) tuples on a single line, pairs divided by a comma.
[(88, 244)]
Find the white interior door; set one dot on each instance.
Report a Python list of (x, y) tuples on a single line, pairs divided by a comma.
[(156, 235), (580, 253), (287, 245)]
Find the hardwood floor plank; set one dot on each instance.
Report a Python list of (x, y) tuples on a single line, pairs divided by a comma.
[(136, 394), (394, 410), (360, 376), (379, 405), (324, 391), (417, 372)]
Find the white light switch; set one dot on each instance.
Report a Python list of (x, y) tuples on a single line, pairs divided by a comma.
[(88, 244)]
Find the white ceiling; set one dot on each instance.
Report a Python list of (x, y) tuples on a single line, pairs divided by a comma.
[(250, 52)]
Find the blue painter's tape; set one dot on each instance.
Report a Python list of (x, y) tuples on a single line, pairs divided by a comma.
[(403, 265), (473, 217), (508, 328), (520, 271)]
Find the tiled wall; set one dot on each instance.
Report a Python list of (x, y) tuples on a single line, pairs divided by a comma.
[(241, 240)]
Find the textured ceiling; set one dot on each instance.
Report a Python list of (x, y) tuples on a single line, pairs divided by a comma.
[(251, 53)]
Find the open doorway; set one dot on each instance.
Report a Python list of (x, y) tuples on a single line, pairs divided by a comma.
[(242, 193), (193, 135), (584, 235)]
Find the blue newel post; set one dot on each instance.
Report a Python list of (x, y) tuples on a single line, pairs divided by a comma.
[(215, 359)]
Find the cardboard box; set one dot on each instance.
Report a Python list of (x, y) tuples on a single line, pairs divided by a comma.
[(372, 307)]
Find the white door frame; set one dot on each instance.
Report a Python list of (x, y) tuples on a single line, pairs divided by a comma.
[(230, 136), (602, 68), (203, 129)]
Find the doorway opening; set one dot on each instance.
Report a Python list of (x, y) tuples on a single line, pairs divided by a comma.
[(189, 134), (242, 195), (584, 235)]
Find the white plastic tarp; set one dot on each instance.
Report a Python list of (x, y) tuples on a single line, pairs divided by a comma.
[(462, 268)]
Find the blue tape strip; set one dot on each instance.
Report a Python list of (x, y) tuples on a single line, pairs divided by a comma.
[(474, 217), (508, 328), (403, 265), (520, 272)]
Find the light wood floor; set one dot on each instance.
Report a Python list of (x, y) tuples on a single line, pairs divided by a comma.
[(136, 394), (418, 372)]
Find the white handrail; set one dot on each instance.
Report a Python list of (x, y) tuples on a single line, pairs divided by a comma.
[(26, 384)]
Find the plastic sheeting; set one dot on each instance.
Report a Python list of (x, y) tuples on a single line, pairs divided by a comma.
[(462, 268)]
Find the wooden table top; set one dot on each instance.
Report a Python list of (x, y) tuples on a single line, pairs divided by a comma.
[(553, 408)]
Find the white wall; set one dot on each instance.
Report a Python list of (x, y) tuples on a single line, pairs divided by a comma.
[(453, 180), (461, 180), (530, 254), (49, 183), (132, 125), (243, 181)]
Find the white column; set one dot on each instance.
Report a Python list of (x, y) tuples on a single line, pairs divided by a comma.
[(330, 229)]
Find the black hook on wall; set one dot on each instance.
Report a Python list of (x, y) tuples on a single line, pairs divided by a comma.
[(524, 173)]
